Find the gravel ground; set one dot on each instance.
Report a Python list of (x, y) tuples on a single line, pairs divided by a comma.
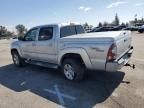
[(37, 87)]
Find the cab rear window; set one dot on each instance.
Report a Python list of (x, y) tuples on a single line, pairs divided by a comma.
[(71, 30)]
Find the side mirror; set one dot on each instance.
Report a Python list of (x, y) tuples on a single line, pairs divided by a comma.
[(21, 38)]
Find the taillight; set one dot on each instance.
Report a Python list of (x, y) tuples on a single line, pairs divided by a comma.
[(112, 53)]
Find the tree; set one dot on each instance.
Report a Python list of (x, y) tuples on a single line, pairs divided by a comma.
[(21, 29), (106, 24), (123, 24), (132, 22), (127, 24), (4, 33), (87, 27), (90, 27), (142, 20), (116, 21), (100, 24), (136, 21)]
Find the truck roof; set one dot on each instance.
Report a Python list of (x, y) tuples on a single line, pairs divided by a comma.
[(58, 24)]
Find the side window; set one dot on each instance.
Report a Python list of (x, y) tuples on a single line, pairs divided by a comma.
[(31, 35), (45, 33), (67, 31)]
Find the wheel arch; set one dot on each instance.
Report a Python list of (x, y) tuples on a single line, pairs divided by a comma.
[(16, 49), (78, 53)]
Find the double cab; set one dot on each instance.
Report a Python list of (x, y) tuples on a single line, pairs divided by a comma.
[(66, 45)]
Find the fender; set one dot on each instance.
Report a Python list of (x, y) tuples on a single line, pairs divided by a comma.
[(16, 47), (79, 51)]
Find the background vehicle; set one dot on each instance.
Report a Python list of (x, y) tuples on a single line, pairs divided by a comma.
[(102, 29), (131, 28), (141, 29), (107, 28), (66, 45)]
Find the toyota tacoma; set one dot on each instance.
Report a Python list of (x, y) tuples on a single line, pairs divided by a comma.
[(66, 45)]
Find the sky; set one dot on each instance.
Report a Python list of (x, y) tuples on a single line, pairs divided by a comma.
[(37, 12)]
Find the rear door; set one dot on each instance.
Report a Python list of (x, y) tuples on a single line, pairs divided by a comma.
[(46, 45)]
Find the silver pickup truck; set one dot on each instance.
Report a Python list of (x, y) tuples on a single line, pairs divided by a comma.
[(67, 46)]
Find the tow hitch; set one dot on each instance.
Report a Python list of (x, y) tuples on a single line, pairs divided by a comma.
[(131, 65)]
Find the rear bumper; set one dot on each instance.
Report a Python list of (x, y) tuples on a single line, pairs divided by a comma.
[(118, 64)]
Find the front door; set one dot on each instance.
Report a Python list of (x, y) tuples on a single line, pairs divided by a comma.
[(28, 46)]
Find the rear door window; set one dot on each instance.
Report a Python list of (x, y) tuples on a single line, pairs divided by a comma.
[(46, 33)]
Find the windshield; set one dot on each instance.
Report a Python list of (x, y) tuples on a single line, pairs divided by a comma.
[(71, 30)]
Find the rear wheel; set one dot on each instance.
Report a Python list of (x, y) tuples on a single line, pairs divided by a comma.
[(73, 70), (18, 61)]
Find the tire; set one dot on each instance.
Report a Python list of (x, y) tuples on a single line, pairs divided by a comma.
[(141, 31), (72, 70), (17, 60)]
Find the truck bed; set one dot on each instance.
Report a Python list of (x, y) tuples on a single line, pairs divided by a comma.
[(111, 34), (122, 39)]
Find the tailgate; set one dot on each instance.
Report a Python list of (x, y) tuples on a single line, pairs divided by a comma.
[(123, 42)]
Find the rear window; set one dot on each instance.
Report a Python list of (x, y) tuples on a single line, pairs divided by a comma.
[(71, 30), (80, 30)]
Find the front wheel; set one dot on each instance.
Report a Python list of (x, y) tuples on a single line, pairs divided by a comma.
[(18, 61), (72, 70)]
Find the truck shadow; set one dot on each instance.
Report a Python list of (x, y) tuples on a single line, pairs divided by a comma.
[(94, 89)]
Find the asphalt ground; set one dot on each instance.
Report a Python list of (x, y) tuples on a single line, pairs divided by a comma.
[(38, 87)]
